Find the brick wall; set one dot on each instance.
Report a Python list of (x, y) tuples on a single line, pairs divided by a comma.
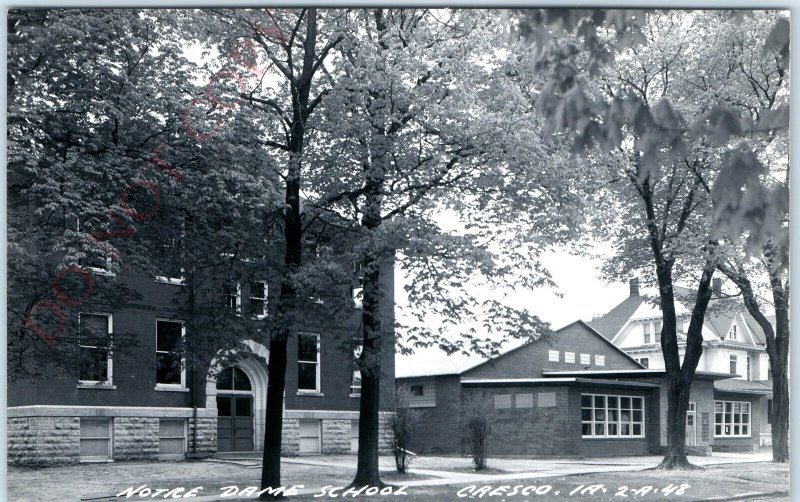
[(135, 438), (41, 441), (438, 430)]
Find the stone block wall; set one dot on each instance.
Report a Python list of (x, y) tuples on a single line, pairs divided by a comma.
[(336, 436), (43, 441), (135, 438), (206, 437), (290, 440)]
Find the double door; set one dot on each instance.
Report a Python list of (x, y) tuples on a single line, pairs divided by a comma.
[(234, 422)]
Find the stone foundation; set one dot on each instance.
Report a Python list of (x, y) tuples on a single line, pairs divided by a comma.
[(43, 441), (206, 438), (135, 438)]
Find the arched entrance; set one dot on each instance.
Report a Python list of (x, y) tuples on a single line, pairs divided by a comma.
[(234, 410), (254, 368)]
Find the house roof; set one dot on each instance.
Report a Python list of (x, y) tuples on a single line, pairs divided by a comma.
[(743, 386), (720, 314), (609, 324), (459, 366)]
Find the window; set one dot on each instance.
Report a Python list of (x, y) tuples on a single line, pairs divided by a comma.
[(552, 355), (605, 416), (95, 332), (358, 287), (586, 359), (233, 299), (733, 360), (569, 357), (422, 393), (646, 332), (546, 399), (731, 419), (308, 362), (524, 401), (169, 363), (657, 331), (171, 438), (733, 333), (502, 401), (172, 262), (95, 441), (309, 436), (355, 384), (644, 361), (600, 360), (258, 299), (233, 378), (353, 436)]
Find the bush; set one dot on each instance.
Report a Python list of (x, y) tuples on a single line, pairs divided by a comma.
[(401, 428), (477, 414)]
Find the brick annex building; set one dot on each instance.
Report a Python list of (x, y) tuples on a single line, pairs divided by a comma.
[(576, 393), (131, 406)]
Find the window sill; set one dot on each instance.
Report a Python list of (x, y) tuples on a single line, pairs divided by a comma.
[(355, 395), (174, 281), (165, 388), (98, 460), (309, 393), (99, 386)]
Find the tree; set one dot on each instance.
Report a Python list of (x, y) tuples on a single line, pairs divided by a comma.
[(83, 119), (402, 425), (412, 140), (670, 162), (294, 47), (477, 415)]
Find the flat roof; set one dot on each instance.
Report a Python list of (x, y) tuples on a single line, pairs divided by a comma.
[(509, 382), (643, 373)]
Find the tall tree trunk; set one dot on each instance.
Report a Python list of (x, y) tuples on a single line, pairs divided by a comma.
[(282, 329), (777, 348), (367, 472)]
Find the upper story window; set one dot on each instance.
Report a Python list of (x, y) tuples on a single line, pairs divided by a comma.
[(95, 332), (233, 298), (258, 299), (170, 370), (172, 267), (734, 360), (733, 333), (586, 359), (552, 355), (569, 357), (644, 361), (651, 331), (600, 360), (648, 336), (308, 362)]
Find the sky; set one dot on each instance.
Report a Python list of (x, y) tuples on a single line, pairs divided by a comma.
[(584, 295)]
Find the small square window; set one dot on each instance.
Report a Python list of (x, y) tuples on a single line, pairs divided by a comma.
[(569, 357), (600, 360), (586, 359), (553, 355)]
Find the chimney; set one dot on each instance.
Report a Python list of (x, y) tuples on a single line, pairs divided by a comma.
[(634, 284), (716, 287)]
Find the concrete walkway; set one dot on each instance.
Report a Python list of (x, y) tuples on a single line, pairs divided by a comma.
[(528, 468)]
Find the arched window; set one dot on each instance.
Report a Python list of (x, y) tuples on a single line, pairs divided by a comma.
[(233, 378)]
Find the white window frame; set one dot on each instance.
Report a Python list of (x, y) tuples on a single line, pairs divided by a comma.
[(317, 390), (599, 360), (733, 332), (733, 363), (732, 423), (553, 356), (264, 312), (110, 361), (172, 386), (586, 359), (569, 357), (641, 360), (237, 300), (593, 421), (647, 336)]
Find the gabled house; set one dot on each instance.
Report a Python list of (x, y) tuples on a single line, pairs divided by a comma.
[(573, 393), (733, 342)]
